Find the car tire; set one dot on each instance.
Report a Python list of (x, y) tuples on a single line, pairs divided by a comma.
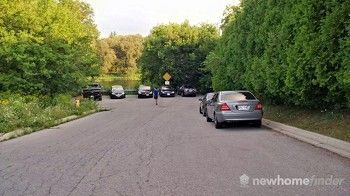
[(218, 125), (208, 119), (200, 110), (257, 123)]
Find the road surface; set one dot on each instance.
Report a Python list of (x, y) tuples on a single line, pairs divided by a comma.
[(138, 148)]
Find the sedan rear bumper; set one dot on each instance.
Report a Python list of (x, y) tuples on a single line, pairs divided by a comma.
[(242, 116), (167, 94)]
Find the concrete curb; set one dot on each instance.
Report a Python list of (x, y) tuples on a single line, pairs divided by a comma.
[(334, 145), (21, 132)]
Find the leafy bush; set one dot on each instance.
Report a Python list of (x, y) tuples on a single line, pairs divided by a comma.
[(47, 47), (288, 52), (18, 111)]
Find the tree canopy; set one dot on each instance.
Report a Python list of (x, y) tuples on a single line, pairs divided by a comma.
[(46, 46), (181, 50), (288, 52), (120, 54)]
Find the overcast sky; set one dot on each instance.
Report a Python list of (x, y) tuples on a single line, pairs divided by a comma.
[(139, 16)]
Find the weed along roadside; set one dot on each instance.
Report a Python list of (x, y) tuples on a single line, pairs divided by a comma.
[(21, 115)]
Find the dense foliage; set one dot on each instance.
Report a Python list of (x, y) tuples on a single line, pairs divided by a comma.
[(35, 112), (46, 46), (289, 52), (181, 50), (120, 54)]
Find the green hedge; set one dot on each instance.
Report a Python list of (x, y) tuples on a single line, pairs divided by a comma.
[(293, 52)]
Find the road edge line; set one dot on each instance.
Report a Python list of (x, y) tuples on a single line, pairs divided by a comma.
[(337, 146)]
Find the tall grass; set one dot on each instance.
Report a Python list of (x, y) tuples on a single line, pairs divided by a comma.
[(17, 111)]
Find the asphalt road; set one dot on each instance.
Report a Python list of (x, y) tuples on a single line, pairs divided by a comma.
[(138, 148)]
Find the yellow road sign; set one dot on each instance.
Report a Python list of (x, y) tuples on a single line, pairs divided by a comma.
[(167, 76)]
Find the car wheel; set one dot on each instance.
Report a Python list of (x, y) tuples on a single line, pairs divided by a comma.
[(100, 99), (208, 119), (257, 123), (200, 110), (218, 125)]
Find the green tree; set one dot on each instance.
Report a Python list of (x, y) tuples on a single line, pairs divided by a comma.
[(181, 50), (120, 54), (287, 52), (46, 46)]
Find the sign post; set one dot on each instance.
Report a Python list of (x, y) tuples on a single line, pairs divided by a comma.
[(167, 77)]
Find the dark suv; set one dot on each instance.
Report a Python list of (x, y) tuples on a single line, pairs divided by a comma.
[(93, 91), (187, 90)]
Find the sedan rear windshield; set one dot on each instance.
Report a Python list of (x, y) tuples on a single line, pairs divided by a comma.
[(237, 96)]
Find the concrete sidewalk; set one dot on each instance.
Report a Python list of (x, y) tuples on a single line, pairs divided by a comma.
[(334, 145)]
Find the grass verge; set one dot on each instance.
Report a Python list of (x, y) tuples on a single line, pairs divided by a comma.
[(30, 113), (330, 123)]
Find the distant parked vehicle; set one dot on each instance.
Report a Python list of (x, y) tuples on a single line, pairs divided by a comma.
[(93, 91), (167, 91), (144, 91), (187, 90), (203, 103), (117, 92), (231, 106)]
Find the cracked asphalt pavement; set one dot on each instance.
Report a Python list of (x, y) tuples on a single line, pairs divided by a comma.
[(138, 148)]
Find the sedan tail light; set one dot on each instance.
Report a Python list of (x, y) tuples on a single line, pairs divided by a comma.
[(224, 107), (259, 106)]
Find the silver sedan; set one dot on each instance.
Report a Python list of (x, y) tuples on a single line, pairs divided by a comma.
[(231, 106)]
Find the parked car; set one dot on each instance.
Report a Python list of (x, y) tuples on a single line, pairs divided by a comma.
[(231, 106), (203, 103), (167, 91), (144, 91), (187, 90), (93, 91), (117, 92)]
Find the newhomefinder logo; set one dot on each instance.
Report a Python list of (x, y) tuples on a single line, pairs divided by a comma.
[(279, 181)]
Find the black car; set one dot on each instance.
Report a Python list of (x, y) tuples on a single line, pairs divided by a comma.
[(144, 91), (203, 103), (117, 92), (187, 90), (93, 91), (167, 91)]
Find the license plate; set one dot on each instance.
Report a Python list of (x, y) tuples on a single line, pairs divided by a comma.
[(147, 94), (168, 94), (244, 107)]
